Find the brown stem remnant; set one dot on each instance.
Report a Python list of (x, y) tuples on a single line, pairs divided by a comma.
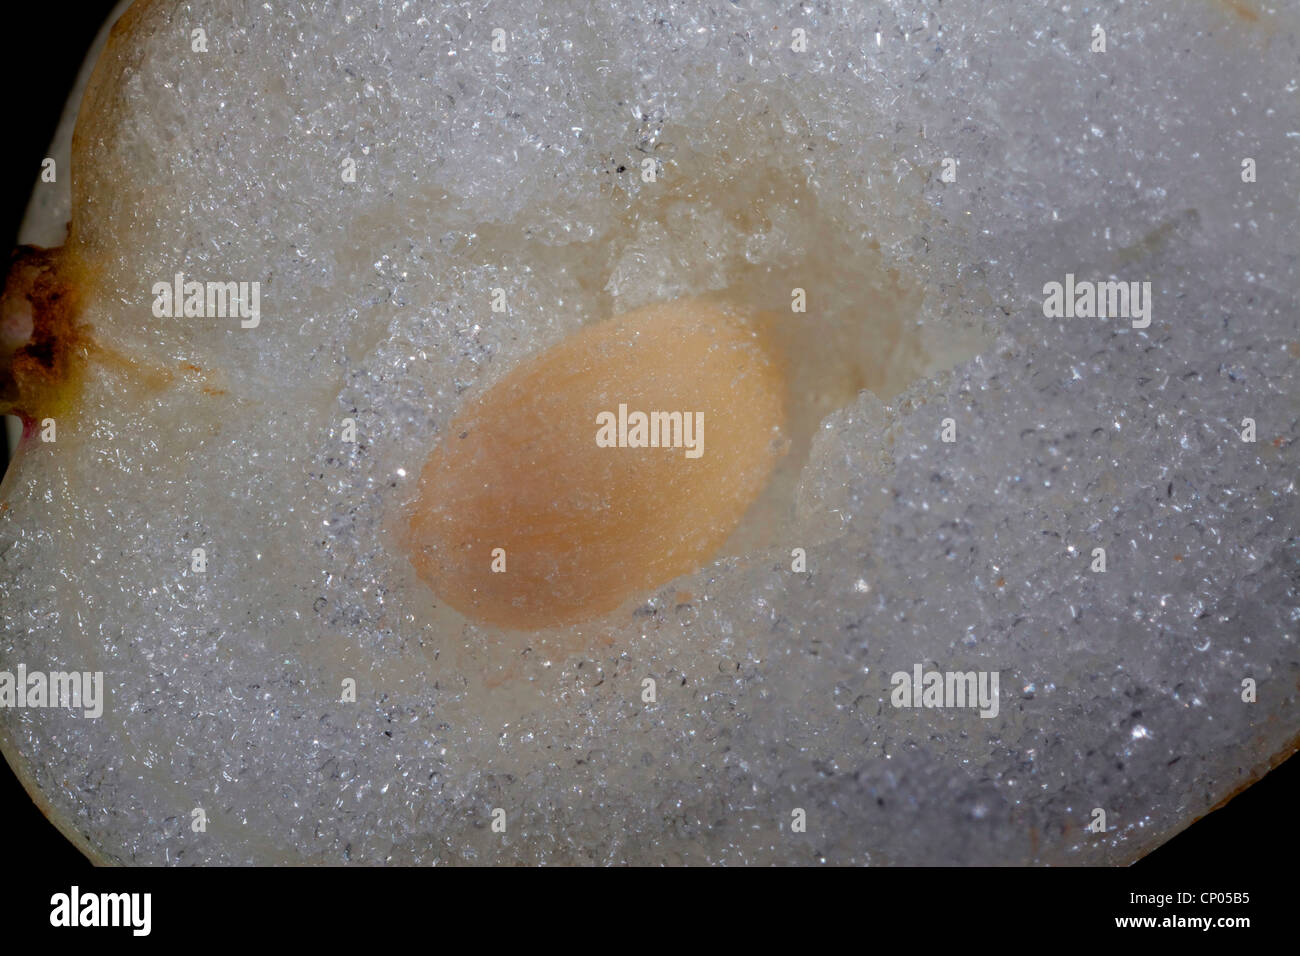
[(43, 345)]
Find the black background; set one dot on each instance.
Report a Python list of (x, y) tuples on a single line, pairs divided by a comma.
[(41, 49)]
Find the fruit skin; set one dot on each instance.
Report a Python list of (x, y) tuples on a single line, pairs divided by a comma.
[(583, 527)]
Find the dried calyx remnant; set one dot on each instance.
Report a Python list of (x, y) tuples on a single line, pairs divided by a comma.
[(543, 505), (43, 345)]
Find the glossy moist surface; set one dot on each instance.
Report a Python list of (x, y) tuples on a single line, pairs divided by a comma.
[(523, 170), (528, 516)]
